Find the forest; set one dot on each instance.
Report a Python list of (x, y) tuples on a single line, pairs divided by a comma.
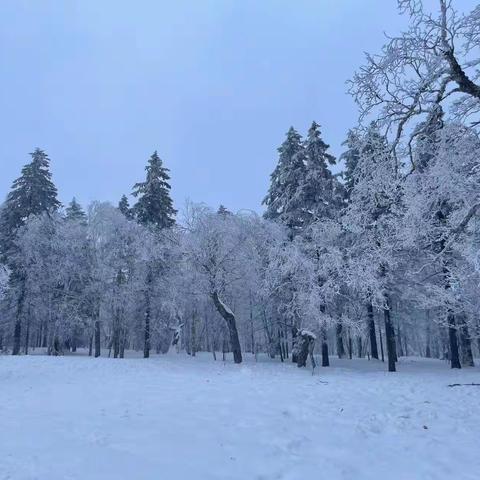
[(374, 254)]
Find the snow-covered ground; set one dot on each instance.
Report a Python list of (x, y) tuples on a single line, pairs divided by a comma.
[(176, 417)]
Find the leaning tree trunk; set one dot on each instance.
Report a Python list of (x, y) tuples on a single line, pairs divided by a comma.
[(229, 318), (371, 331), (389, 336)]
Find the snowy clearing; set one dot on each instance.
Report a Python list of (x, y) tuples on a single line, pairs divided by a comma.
[(173, 416)]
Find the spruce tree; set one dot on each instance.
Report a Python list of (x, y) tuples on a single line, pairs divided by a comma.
[(350, 159), (283, 200), (154, 209), (321, 193), (223, 210), (154, 205), (124, 207), (32, 193), (74, 211)]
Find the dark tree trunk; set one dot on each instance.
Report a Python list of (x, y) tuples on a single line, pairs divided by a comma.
[(146, 345), (17, 332), (74, 340), (389, 336), (325, 359), (97, 338), (27, 333), (371, 331), (90, 345), (453, 342), (229, 318), (381, 343), (339, 335), (359, 347)]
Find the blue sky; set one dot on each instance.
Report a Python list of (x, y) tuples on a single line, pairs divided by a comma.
[(213, 85)]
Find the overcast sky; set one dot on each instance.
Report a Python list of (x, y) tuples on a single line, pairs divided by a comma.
[(213, 85)]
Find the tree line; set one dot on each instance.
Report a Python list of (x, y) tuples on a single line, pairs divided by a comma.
[(379, 259)]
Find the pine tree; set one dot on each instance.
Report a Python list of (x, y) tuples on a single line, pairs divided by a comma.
[(124, 207), (32, 193), (283, 200), (74, 211), (154, 205)]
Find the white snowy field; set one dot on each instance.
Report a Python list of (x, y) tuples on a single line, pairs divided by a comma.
[(176, 417)]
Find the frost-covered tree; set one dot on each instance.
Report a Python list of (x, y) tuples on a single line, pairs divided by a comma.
[(154, 205), (33, 193), (370, 219), (124, 207), (434, 62), (283, 200), (74, 211)]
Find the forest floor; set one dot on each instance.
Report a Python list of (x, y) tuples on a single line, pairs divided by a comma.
[(177, 417)]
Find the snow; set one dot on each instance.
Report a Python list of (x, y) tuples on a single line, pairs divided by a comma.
[(176, 417)]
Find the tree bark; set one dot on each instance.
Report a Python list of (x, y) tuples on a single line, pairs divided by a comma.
[(453, 341), (389, 336), (17, 332), (229, 318), (97, 337), (465, 343), (325, 358), (339, 335), (371, 331)]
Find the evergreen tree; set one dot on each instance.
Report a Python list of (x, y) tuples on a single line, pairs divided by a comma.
[(32, 193), (124, 207), (154, 205), (322, 194), (74, 211), (350, 159), (283, 200), (223, 210)]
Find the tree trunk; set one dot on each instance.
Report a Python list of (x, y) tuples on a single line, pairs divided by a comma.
[(97, 337), (306, 344), (453, 342), (339, 337), (381, 343), (465, 343), (371, 331), (325, 359), (146, 345), (17, 332), (27, 332), (229, 318), (389, 336)]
